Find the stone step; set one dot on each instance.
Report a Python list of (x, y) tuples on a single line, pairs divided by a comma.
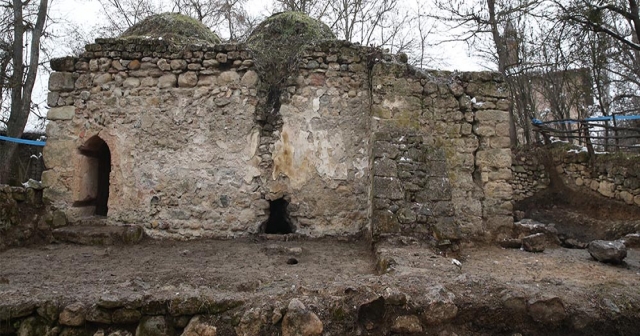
[(92, 221), (99, 234)]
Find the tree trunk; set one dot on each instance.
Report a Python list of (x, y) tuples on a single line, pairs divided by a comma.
[(21, 91), (502, 64)]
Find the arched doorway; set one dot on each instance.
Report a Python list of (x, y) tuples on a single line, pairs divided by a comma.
[(95, 175)]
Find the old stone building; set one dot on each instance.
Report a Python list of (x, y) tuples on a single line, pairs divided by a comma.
[(194, 138)]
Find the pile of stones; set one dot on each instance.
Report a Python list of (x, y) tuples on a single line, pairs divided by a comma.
[(533, 236)]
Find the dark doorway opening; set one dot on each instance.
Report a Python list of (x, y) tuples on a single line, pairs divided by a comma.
[(99, 166), (279, 221), (104, 169)]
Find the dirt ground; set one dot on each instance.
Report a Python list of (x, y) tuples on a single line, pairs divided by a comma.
[(581, 214), (328, 269), (239, 265)]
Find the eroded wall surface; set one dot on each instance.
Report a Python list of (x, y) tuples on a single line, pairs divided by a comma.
[(180, 128), (321, 151), (190, 156), (441, 156), (355, 141)]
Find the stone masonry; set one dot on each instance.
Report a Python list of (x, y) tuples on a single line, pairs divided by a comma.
[(613, 176), (441, 154), (360, 143)]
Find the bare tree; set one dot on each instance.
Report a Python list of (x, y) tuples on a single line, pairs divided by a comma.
[(609, 30), (383, 23), (481, 24), (617, 19), (369, 22), (425, 29), (28, 23), (226, 16), (122, 14), (319, 9)]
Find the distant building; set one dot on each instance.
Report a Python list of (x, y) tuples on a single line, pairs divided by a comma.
[(547, 93)]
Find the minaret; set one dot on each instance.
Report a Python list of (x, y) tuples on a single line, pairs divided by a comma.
[(512, 45)]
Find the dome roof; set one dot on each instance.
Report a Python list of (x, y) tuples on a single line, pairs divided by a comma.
[(174, 27), (286, 28)]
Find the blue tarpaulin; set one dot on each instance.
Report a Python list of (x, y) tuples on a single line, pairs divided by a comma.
[(23, 141), (574, 121), (632, 117)]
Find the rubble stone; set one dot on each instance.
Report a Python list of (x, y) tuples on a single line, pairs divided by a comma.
[(406, 324), (534, 243), (298, 321), (608, 251), (199, 326), (73, 315)]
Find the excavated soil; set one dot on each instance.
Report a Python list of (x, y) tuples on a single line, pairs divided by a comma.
[(336, 280), (87, 272), (581, 214)]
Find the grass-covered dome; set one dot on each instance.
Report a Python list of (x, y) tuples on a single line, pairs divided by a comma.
[(277, 41), (281, 28), (173, 27)]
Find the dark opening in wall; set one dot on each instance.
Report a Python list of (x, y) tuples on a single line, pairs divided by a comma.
[(278, 222), (104, 169), (95, 170)]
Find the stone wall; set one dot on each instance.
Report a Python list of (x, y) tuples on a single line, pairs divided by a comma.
[(615, 176), (193, 152), (529, 175), (411, 189), (179, 125), (441, 154), (199, 146), (23, 219), (320, 154)]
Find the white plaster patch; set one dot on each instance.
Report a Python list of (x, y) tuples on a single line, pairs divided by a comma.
[(199, 139), (396, 103), (362, 166), (251, 173), (222, 144), (253, 142), (297, 157)]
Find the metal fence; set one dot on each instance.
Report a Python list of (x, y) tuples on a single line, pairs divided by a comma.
[(597, 134)]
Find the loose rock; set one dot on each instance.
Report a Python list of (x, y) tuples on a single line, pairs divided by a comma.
[(154, 326), (574, 243), (407, 324), (198, 326), (439, 307), (631, 240), (250, 323), (510, 243), (608, 251), (534, 242), (298, 321), (547, 310), (126, 316), (73, 315)]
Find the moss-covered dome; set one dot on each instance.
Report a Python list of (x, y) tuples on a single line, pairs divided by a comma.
[(278, 40), (173, 27), (282, 28)]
